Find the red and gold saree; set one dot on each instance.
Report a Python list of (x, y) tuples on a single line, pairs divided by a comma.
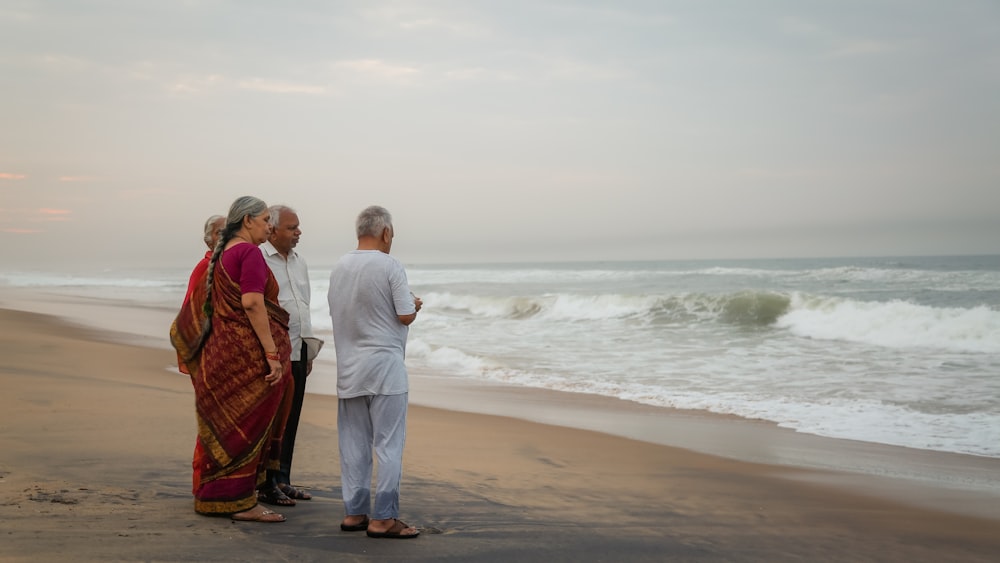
[(240, 417)]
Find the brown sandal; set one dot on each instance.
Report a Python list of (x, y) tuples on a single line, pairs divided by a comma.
[(294, 493), (274, 497), (266, 516), (359, 527), (394, 532)]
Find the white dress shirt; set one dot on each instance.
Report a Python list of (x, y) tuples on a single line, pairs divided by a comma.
[(293, 293)]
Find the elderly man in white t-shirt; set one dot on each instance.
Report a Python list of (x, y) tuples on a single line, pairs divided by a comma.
[(371, 308), (292, 274)]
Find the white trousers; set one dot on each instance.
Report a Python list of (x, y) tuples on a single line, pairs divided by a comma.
[(365, 423)]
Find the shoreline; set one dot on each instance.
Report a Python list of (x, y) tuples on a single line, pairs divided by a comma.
[(959, 483), (97, 441)]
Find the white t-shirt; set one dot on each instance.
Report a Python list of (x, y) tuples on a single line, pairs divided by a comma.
[(368, 292)]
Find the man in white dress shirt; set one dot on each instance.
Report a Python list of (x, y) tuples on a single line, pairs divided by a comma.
[(293, 295)]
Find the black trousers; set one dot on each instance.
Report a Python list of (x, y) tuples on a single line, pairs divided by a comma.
[(283, 476)]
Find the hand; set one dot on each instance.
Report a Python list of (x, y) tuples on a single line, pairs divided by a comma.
[(274, 377), (418, 303)]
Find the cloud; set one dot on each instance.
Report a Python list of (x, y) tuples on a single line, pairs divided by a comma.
[(280, 87), (67, 63), (377, 68), (776, 173), (416, 19), (480, 74), (195, 84), (436, 25), (191, 84), (579, 69), (421, 22), (861, 47), (77, 178), (143, 192), (840, 46), (18, 231), (50, 214), (608, 17), (9, 176), (14, 219), (801, 27)]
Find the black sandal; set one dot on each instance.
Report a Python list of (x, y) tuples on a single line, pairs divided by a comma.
[(293, 493), (274, 497)]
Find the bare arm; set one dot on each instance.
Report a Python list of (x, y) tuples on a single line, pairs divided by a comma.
[(408, 319), (253, 304)]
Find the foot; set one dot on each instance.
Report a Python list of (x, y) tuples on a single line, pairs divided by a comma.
[(293, 493), (391, 528), (355, 523), (258, 514), (275, 497)]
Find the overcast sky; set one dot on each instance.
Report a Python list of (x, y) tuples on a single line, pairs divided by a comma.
[(503, 131)]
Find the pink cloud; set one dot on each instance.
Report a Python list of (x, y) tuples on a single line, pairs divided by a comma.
[(16, 231), (76, 178), (22, 221), (8, 176), (49, 214)]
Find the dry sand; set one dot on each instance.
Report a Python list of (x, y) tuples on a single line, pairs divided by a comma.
[(96, 439)]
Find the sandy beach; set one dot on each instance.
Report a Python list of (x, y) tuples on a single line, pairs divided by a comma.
[(97, 436)]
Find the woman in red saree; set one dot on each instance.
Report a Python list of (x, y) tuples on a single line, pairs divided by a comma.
[(232, 336), (214, 226)]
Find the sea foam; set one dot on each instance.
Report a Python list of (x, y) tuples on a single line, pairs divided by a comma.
[(894, 324)]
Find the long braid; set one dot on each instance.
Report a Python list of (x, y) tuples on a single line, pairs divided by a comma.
[(243, 206), (227, 235)]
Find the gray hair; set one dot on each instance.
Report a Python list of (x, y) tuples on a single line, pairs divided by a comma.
[(243, 207), (210, 229), (240, 209), (276, 211), (372, 221)]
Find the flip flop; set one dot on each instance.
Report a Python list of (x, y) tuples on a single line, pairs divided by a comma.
[(359, 527), (267, 516), (274, 497), (294, 493), (394, 532)]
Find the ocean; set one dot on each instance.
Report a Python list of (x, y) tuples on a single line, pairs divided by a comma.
[(896, 350)]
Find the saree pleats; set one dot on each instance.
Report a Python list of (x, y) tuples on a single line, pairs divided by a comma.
[(240, 417)]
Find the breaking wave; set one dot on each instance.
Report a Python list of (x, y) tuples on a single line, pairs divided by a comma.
[(894, 324)]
